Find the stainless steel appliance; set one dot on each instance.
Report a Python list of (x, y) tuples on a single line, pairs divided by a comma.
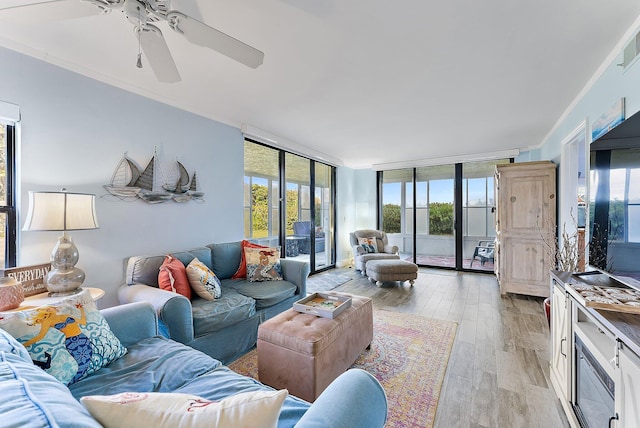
[(594, 390)]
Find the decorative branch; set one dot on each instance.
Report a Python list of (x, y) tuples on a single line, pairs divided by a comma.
[(566, 254)]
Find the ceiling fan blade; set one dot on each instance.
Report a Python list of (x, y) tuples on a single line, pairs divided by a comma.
[(157, 52), (56, 10), (201, 34)]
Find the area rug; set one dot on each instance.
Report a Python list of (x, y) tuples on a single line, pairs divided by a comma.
[(325, 281), (409, 356)]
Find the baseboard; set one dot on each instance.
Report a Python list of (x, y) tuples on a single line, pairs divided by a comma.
[(344, 263)]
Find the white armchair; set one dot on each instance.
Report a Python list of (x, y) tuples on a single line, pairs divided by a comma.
[(382, 248)]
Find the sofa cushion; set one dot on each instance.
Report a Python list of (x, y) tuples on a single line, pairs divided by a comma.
[(225, 258), (33, 398), (214, 315), (265, 294), (250, 409), (161, 365), (172, 276), (69, 339), (263, 264), (203, 281), (201, 253), (155, 364), (144, 269)]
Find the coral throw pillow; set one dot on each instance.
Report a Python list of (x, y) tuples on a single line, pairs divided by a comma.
[(263, 264), (173, 277), (69, 339), (242, 269), (171, 409)]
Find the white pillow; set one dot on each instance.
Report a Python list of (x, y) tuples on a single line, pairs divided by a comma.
[(156, 409)]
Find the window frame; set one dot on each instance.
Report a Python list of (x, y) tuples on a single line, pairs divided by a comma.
[(11, 228)]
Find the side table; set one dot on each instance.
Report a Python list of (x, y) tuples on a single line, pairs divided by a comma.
[(43, 299)]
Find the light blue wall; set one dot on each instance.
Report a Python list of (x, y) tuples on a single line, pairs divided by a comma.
[(356, 208), (615, 83), (74, 130)]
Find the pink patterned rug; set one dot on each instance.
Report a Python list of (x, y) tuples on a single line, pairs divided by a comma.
[(409, 356)]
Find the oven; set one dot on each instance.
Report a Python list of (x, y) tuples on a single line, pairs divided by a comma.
[(594, 400)]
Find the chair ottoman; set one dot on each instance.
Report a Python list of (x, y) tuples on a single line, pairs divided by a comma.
[(391, 270), (304, 353)]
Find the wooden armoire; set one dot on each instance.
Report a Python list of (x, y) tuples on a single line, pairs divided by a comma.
[(525, 226)]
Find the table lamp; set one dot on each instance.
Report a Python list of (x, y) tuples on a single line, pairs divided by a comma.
[(62, 211)]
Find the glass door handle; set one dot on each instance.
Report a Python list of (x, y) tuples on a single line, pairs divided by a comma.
[(613, 418)]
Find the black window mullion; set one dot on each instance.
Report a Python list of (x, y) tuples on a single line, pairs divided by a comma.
[(10, 208), (457, 216)]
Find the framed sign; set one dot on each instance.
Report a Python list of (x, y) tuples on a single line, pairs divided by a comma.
[(31, 277)]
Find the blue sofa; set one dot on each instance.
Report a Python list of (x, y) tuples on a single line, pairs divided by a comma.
[(33, 398), (224, 328)]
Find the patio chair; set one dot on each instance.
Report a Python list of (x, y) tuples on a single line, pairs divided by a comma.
[(484, 251)]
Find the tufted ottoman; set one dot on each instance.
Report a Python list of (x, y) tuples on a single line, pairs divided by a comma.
[(391, 270), (304, 353)]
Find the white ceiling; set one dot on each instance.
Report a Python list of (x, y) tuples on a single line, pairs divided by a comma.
[(365, 81)]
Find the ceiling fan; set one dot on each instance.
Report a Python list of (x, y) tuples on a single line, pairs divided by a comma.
[(144, 14)]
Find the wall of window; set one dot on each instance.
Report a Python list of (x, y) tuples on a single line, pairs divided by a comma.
[(280, 208), (418, 209)]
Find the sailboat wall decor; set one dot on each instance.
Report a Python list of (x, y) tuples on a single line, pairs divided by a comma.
[(128, 183)]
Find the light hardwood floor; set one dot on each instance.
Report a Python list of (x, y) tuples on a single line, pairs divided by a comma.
[(498, 372)]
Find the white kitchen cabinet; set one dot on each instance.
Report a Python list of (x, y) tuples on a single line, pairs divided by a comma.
[(561, 345), (628, 389)]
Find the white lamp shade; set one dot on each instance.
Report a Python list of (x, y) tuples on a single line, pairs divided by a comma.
[(61, 211)]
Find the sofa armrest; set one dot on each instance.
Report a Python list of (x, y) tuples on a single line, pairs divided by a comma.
[(132, 322), (297, 273), (357, 250), (173, 309), (355, 399), (391, 249)]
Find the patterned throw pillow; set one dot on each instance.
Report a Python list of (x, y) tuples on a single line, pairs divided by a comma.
[(204, 282), (242, 269), (171, 409), (69, 339), (263, 264), (173, 277), (368, 244)]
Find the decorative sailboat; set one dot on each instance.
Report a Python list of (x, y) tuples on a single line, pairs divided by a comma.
[(147, 183), (182, 185), (127, 182), (124, 178), (193, 188)]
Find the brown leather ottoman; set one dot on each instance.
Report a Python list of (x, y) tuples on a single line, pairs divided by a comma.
[(304, 353)]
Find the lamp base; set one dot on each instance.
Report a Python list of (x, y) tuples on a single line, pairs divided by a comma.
[(64, 278), (64, 293)]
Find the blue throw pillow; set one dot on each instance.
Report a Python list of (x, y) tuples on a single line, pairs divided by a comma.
[(69, 339)]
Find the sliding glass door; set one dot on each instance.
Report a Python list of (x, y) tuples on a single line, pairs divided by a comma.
[(324, 210), (478, 215), (281, 209), (419, 208)]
